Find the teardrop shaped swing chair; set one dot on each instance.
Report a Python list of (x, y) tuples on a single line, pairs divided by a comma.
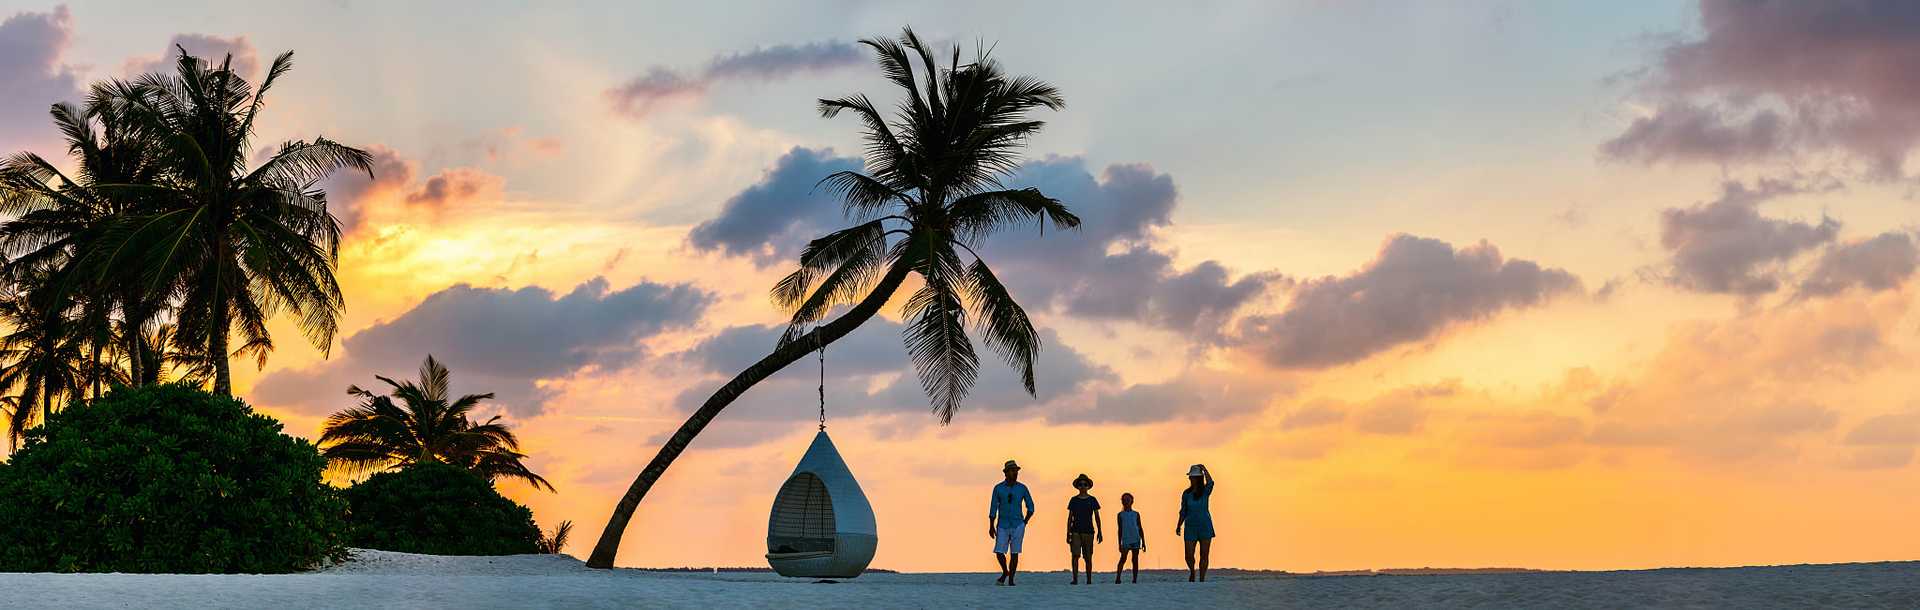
[(822, 525)]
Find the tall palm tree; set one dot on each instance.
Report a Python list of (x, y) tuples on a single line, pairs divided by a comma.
[(931, 190), (59, 220), (419, 423), (234, 246)]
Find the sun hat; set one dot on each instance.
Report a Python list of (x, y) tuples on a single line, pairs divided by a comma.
[(1011, 465), (1083, 478), (1197, 470)]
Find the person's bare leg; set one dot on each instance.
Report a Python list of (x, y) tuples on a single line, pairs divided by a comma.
[(1003, 568), (1013, 568), (1189, 561), (1089, 566), (1136, 565), (1074, 559), (1206, 549), (1120, 568)]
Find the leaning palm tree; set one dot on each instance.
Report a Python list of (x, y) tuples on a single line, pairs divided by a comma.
[(233, 246), (418, 423), (930, 190)]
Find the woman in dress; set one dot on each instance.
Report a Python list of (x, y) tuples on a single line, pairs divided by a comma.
[(1197, 518)]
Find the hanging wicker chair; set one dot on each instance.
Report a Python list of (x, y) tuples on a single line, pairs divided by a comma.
[(821, 526)]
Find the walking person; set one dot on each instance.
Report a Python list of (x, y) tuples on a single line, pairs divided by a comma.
[(1133, 538), (1005, 523), (1083, 528), (1197, 518)]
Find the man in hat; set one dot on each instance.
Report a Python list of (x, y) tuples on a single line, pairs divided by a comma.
[(1006, 524)]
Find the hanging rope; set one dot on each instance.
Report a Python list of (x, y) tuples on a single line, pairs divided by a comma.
[(823, 387)]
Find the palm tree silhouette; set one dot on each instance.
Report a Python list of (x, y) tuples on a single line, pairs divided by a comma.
[(59, 221), (44, 365), (418, 423), (931, 190), (556, 542), (234, 246)]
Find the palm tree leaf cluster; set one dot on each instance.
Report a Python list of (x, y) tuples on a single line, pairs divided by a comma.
[(419, 421), (164, 240), (929, 193)]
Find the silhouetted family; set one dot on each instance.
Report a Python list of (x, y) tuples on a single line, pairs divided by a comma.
[(1013, 507)]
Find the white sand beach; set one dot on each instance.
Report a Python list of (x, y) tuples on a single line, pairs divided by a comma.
[(378, 579)]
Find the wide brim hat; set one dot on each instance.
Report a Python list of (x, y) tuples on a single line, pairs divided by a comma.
[(1011, 465), (1197, 470), (1083, 478)]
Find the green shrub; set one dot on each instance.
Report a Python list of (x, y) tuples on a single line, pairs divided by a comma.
[(166, 479), (439, 509)]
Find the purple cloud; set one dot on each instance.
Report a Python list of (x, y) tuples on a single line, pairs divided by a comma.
[(1768, 79), (1414, 289), (1880, 263), (1726, 246), (32, 75), (497, 340), (660, 85)]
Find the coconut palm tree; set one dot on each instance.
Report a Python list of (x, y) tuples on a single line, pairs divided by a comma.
[(234, 247), (930, 192), (419, 423), (58, 221), (42, 364)]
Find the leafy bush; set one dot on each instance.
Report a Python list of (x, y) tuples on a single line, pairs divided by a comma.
[(166, 478), (436, 508)]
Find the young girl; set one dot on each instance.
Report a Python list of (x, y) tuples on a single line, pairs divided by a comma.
[(1133, 538)]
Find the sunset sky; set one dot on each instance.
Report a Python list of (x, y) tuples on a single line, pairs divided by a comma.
[(1424, 284)]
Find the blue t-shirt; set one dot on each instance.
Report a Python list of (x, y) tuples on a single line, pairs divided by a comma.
[(1007, 501), (1080, 514)]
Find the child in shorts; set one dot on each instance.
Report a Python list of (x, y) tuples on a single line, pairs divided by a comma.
[(1083, 527), (1133, 538)]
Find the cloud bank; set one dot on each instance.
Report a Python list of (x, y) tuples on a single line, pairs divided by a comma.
[(497, 340)]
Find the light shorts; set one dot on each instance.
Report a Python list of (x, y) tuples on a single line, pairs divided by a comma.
[(1080, 543), (1007, 539)]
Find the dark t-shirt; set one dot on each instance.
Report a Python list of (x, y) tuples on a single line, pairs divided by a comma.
[(1080, 514)]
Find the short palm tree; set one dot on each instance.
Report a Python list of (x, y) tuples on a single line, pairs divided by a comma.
[(418, 423), (233, 246), (931, 190), (555, 542), (42, 364)]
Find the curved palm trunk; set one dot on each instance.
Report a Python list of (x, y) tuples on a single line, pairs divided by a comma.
[(609, 545)]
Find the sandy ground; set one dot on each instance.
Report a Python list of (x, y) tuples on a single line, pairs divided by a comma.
[(376, 579)]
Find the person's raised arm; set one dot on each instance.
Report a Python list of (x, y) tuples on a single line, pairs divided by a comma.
[(1209, 475)]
